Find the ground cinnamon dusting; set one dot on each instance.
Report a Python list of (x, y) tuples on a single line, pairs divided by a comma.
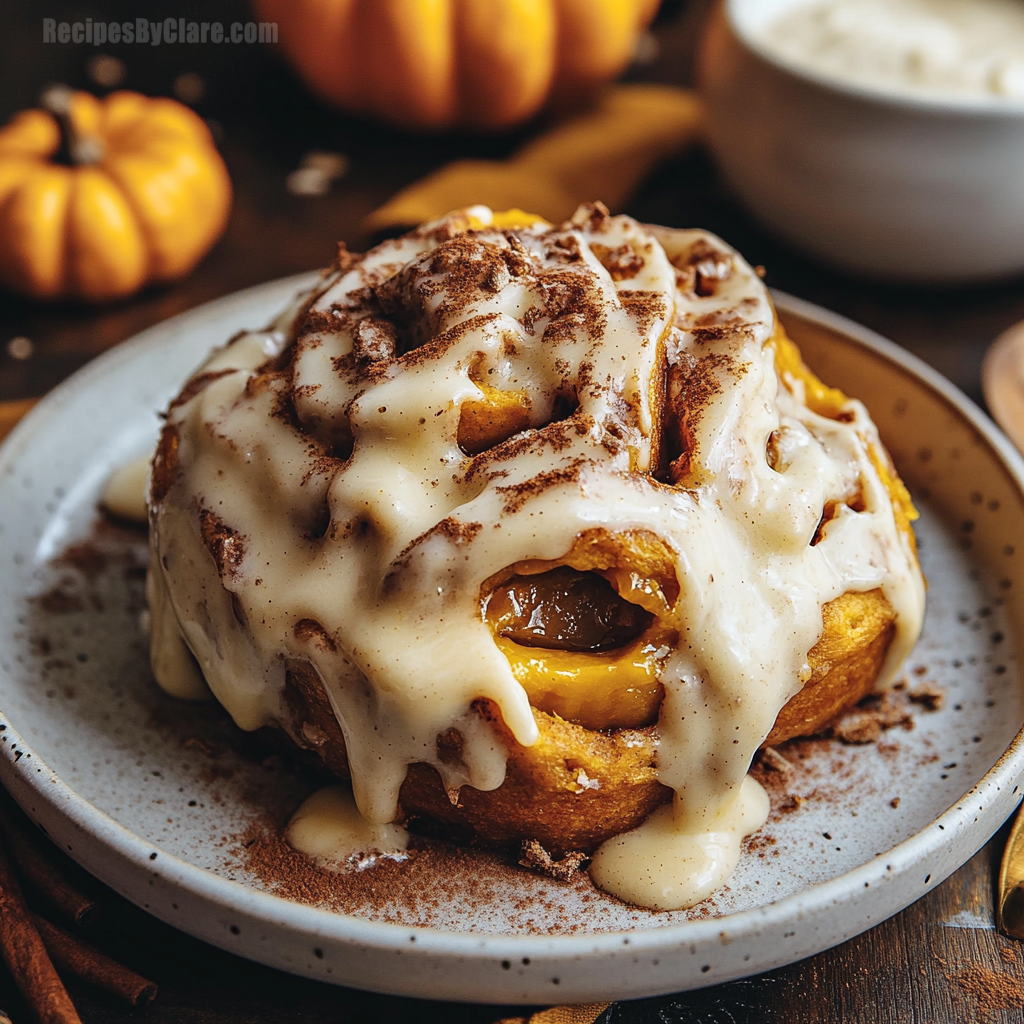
[(198, 384), (874, 715), (991, 990), (644, 306), (928, 695), (87, 558), (516, 495), (533, 856), (417, 892), (58, 601), (225, 544), (774, 761), (622, 262)]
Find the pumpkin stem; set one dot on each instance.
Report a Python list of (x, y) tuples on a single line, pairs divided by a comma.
[(75, 150)]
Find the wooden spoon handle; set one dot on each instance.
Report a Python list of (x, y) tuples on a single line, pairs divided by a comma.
[(1010, 911), (1002, 381)]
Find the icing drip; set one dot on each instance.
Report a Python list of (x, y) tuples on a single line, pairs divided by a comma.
[(124, 494), (661, 866), (329, 828)]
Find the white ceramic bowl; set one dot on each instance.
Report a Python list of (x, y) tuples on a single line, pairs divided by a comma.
[(885, 184)]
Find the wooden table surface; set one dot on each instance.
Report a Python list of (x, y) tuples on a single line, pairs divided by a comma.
[(940, 961)]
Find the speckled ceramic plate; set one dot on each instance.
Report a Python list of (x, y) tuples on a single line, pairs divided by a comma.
[(173, 807)]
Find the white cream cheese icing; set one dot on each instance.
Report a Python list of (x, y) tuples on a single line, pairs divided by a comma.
[(311, 474), (956, 48), (329, 828), (660, 866), (124, 494)]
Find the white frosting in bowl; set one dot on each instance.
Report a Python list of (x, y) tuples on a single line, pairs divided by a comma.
[(314, 502), (943, 48)]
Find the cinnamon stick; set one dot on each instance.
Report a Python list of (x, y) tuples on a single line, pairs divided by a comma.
[(25, 955), (35, 867), (70, 954)]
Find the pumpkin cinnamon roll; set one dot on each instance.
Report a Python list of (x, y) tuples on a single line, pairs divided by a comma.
[(535, 533)]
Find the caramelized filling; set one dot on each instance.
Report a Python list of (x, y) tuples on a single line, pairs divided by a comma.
[(579, 649), (565, 610)]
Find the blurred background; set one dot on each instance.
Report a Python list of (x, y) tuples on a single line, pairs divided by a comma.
[(265, 122)]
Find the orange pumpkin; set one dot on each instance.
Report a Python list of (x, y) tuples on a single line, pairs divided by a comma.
[(451, 63), (99, 197)]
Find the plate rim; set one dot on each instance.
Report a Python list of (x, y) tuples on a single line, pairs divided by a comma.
[(32, 774)]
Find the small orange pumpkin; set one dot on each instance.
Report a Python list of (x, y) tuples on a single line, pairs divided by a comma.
[(99, 197), (452, 63)]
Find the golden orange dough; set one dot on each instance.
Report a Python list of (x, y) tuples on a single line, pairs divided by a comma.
[(572, 790), (594, 777), (857, 629), (483, 425)]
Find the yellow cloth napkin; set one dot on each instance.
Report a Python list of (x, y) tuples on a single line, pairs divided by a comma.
[(586, 1013), (11, 412), (600, 154)]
